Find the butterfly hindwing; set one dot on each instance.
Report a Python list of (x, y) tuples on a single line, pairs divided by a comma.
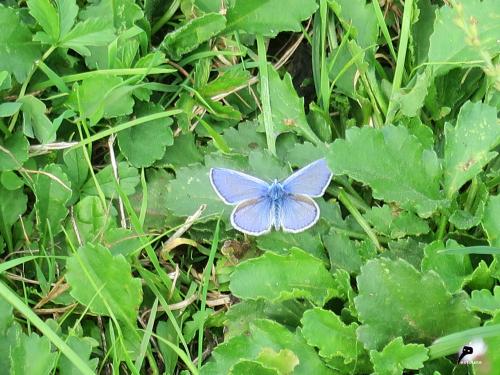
[(312, 180), (254, 216), (297, 213), (234, 187)]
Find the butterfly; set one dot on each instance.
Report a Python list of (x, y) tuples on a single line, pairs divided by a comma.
[(283, 204)]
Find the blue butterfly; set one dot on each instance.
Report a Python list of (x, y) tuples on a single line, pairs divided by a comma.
[(260, 206)]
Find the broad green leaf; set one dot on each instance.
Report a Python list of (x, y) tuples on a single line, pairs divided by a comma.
[(143, 144), (120, 14), (468, 144), (83, 347), (12, 205), (277, 278), (13, 152), (165, 330), (102, 97), (362, 17), (186, 38), (410, 100), (182, 153), (104, 283), (91, 220), (471, 216), (241, 315), (453, 269), (89, 33), (122, 241), (129, 179), (421, 31), (491, 220), (17, 50), (396, 223), (225, 82), (35, 121), (76, 168), (6, 316), (326, 331), (396, 357), (251, 367), (260, 16), (461, 33), (347, 254), (5, 80), (287, 108), (485, 302), (283, 361), (47, 17), (10, 338), (8, 109), (53, 191), (393, 163), (245, 139), (263, 336), (396, 300), (32, 354), (280, 242)]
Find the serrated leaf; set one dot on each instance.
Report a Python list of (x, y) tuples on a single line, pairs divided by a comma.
[(491, 220), (89, 33), (35, 121), (396, 224), (280, 242), (451, 46), (143, 144), (485, 302), (283, 361), (453, 269), (104, 283), (13, 152), (17, 50), (83, 347), (260, 16), (32, 354), (326, 331), (46, 15), (393, 163), (186, 38), (118, 14), (264, 334), (396, 300), (278, 278), (102, 97), (251, 367), (396, 357), (53, 191), (129, 178), (347, 254), (468, 144), (12, 205)]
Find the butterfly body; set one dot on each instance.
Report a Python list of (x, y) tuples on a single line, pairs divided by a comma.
[(284, 204)]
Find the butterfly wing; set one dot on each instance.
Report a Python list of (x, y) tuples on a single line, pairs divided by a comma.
[(312, 180), (298, 213), (234, 187), (253, 216)]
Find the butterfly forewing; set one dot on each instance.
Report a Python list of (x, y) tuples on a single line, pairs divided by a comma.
[(254, 216), (234, 187), (312, 180), (298, 212)]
